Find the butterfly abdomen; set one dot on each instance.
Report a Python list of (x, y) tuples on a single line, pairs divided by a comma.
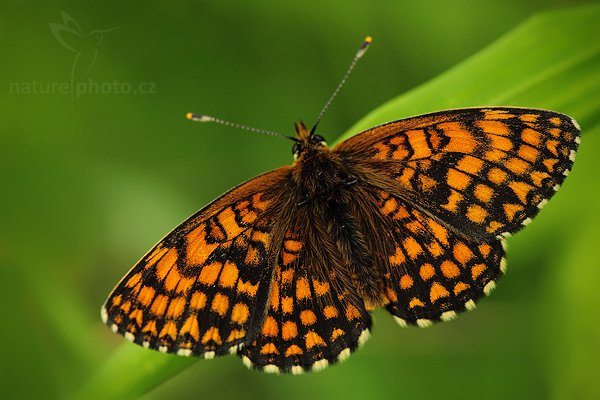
[(351, 239)]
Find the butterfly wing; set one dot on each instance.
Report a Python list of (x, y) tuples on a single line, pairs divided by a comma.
[(483, 171), (448, 187), (204, 287), (432, 272), (315, 316)]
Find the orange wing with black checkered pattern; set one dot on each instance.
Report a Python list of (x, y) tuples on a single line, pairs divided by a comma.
[(315, 316), (484, 171), (450, 187), (433, 271), (204, 288)]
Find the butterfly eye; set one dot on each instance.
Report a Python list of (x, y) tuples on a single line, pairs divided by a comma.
[(295, 148), (317, 139)]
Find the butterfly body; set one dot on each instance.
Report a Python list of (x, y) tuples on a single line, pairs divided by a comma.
[(329, 193), (410, 215)]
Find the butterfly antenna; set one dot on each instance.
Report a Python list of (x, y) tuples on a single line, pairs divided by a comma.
[(207, 118), (361, 52)]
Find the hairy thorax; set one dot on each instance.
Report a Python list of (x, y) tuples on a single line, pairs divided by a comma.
[(319, 173)]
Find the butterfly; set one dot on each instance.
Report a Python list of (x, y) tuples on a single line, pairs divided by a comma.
[(412, 215)]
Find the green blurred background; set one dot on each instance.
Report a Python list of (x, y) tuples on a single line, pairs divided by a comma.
[(91, 180)]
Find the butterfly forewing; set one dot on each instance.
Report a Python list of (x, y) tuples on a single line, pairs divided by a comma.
[(483, 171), (206, 284)]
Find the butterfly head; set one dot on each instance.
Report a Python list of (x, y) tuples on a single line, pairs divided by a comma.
[(306, 140)]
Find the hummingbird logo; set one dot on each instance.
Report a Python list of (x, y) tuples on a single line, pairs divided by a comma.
[(85, 46)]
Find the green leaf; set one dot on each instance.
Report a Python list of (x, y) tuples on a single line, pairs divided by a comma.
[(550, 61)]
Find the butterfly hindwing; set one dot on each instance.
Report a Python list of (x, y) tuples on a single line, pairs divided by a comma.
[(484, 171), (200, 289), (314, 318), (432, 272)]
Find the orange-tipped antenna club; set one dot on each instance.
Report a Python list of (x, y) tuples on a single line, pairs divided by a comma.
[(360, 52), (363, 49), (206, 118)]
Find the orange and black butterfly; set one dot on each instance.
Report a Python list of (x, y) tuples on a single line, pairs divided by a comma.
[(284, 269)]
